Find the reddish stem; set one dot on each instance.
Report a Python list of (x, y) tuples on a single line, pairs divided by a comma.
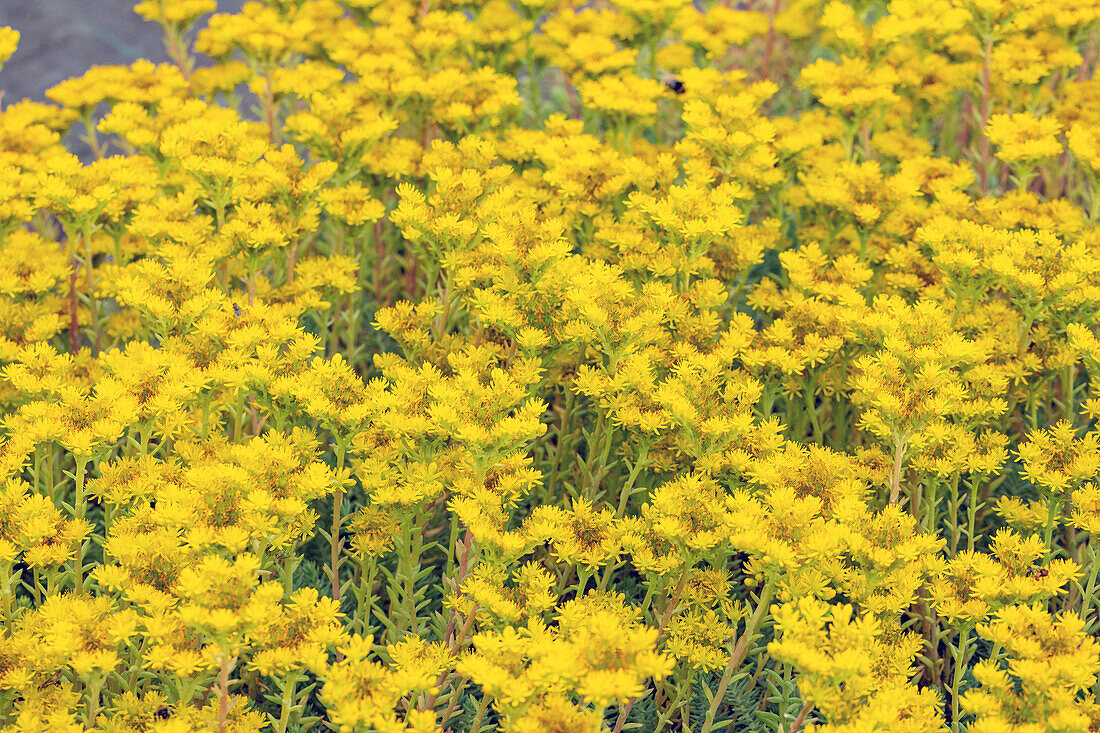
[(769, 44), (985, 111)]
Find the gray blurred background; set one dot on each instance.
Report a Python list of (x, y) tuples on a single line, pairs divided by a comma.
[(62, 38)]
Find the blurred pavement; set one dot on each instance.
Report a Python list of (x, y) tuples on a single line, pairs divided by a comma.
[(62, 38)]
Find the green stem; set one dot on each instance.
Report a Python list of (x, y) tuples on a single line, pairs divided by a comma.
[(1088, 599), (38, 469), (286, 572), (971, 513), (840, 422), (599, 449), (930, 508), (91, 695), (810, 397), (93, 140), (1053, 505), (735, 298), (410, 545), (290, 686), (1067, 393), (363, 606), (446, 300), (533, 83), (186, 687), (559, 451), (80, 512), (961, 653), (6, 590), (900, 444), (475, 726), (337, 521), (740, 651), (984, 111), (627, 490), (89, 292)]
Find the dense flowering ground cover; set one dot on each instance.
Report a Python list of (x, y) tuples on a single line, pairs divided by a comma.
[(635, 366)]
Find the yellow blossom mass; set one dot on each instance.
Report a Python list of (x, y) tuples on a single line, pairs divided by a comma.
[(393, 366)]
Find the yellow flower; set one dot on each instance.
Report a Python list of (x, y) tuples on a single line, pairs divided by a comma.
[(86, 634), (9, 39), (1024, 138), (1084, 143), (176, 12), (843, 661), (976, 585), (298, 635), (719, 28), (1050, 660), (581, 534), (852, 86), (622, 97), (1057, 460)]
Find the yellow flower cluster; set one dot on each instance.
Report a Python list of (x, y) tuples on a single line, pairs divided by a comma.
[(405, 366)]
